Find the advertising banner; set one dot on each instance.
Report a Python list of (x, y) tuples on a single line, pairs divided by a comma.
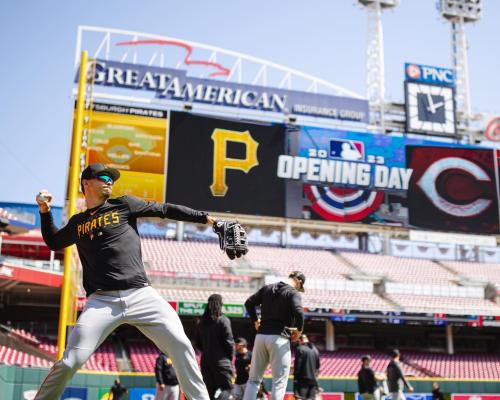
[(475, 396), (133, 140), (428, 74), (174, 84), (74, 393), (409, 396), (343, 176), (324, 396), (104, 394), (346, 176), (197, 309), (333, 175), (190, 308), (224, 165), (332, 396), (142, 394)]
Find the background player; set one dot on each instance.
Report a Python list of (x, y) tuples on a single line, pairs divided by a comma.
[(282, 318), (214, 338), (167, 385), (396, 378), (118, 391), (305, 369), (242, 363), (368, 380)]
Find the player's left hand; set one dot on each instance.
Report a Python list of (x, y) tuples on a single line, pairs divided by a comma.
[(232, 238)]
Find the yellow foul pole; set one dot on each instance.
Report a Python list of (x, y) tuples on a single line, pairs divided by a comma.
[(73, 192)]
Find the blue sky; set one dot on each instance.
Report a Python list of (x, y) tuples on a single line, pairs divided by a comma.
[(323, 38)]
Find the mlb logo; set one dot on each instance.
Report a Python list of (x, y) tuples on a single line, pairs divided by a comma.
[(352, 150)]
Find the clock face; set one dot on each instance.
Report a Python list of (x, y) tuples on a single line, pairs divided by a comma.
[(430, 108)]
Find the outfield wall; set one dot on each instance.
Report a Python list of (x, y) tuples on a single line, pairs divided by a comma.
[(14, 381)]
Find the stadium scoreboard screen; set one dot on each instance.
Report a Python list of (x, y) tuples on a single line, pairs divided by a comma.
[(301, 172)]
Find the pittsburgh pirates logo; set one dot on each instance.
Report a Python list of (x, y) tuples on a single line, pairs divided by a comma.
[(221, 162)]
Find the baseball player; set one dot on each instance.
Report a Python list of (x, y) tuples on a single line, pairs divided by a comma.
[(118, 290), (396, 378), (167, 385), (118, 391), (242, 364), (368, 380), (306, 370), (214, 337), (282, 319)]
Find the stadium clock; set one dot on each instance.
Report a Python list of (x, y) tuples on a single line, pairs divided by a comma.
[(430, 108)]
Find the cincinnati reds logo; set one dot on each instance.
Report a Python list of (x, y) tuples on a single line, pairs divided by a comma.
[(437, 185), (343, 205), (492, 131), (413, 71)]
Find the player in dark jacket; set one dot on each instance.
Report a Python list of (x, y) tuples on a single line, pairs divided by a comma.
[(282, 319), (242, 363), (305, 370), (367, 380), (167, 385), (118, 290), (215, 340), (118, 390), (436, 392), (396, 380)]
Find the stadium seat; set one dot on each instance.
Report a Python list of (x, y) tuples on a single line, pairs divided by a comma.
[(396, 269), (476, 271)]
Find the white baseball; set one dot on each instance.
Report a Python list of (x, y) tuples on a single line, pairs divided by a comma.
[(44, 197)]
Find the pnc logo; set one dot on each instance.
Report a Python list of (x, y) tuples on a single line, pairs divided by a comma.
[(425, 73), (413, 71)]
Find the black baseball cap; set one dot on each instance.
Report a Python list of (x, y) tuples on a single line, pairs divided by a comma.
[(95, 170), (300, 277), (241, 341)]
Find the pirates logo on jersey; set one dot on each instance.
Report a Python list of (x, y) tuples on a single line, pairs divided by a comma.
[(343, 204)]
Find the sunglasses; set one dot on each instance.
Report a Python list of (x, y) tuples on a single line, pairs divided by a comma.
[(106, 179)]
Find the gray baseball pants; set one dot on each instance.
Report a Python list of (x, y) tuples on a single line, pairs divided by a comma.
[(399, 395), (143, 308), (168, 393), (274, 349)]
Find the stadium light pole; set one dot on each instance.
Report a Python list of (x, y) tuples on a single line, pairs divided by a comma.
[(375, 69), (458, 13), (73, 193)]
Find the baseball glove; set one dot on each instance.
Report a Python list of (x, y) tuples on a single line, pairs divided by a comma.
[(232, 238)]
